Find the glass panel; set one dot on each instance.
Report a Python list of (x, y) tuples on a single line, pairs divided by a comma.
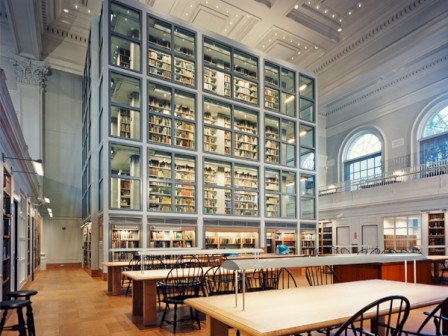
[(159, 33), (124, 160), (125, 123), (159, 165), (288, 81), (217, 54), (184, 42), (217, 140), (217, 113), (245, 203), (124, 21), (185, 167), (185, 199), (159, 129), (288, 104), (307, 158), (184, 105), (272, 128), (288, 131), (245, 121), (217, 173), (271, 99), (245, 64), (245, 177), (272, 179), (306, 134), (185, 134), (159, 98), (160, 196), (288, 155), (306, 87), (272, 151), (216, 81), (125, 90), (306, 110), (272, 205), (125, 193), (307, 185), (246, 146), (217, 201), (271, 74), (307, 208), (289, 206), (245, 90), (184, 72), (289, 183), (159, 64), (124, 53)]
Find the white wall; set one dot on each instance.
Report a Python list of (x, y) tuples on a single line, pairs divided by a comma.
[(62, 158)]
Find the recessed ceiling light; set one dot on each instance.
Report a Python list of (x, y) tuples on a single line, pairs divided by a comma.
[(340, 20), (339, 30), (65, 10), (326, 11), (88, 11), (360, 4), (333, 16), (296, 6), (290, 41), (317, 7), (283, 37), (292, 58), (76, 6), (350, 13)]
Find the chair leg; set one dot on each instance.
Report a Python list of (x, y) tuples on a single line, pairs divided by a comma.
[(175, 318), (164, 314), (21, 321), (2, 323), (30, 321)]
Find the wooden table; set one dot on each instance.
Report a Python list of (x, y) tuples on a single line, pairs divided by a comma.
[(144, 293), (385, 271), (114, 275), (298, 310), (437, 260)]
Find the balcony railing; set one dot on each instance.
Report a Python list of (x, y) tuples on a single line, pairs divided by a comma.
[(407, 174)]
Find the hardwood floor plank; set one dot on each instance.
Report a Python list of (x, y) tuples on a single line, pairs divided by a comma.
[(71, 303)]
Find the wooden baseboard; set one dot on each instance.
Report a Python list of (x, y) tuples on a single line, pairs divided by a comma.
[(63, 265)]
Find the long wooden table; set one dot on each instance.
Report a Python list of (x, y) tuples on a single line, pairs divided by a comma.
[(298, 310), (114, 275), (144, 293)]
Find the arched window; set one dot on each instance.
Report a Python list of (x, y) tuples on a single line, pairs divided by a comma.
[(363, 157), (434, 142)]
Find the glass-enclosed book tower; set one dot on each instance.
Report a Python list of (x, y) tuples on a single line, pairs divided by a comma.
[(193, 140)]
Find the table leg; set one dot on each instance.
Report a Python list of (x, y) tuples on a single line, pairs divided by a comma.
[(444, 312), (137, 297), (149, 302), (215, 328), (115, 280)]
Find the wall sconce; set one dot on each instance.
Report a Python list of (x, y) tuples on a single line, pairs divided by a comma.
[(37, 165)]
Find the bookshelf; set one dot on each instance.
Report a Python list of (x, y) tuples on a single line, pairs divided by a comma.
[(184, 72), (308, 242), (245, 90), (229, 239), (125, 193), (7, 221), (287, 238), (87, 244), (436, 233), (159, 64), (125, 236), (325, 238), (161, 237)]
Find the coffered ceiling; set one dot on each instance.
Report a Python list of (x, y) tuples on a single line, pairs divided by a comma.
[(340, 41)]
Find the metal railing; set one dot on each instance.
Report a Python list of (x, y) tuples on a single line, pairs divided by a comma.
[(403, 175)]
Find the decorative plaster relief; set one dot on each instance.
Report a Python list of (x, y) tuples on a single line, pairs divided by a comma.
[(30, 71)]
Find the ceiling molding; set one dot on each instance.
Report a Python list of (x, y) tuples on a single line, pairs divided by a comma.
[(355, 44)]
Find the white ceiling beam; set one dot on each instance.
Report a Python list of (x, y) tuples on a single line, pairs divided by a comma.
[(23, 16)]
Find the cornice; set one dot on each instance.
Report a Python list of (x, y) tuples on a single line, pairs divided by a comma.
[(389, 85), (372, 33)]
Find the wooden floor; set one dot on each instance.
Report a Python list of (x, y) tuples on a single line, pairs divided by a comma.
[(71, 303)]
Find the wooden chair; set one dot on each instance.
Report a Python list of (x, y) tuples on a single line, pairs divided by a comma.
[(320, 275), (219, 281), (269, 278), (387, 314), (376, 250), (436, 316), (134, 265), (183, 281)]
